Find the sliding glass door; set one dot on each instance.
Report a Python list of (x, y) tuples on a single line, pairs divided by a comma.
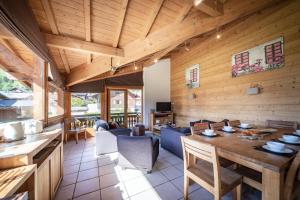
[(125, 106)]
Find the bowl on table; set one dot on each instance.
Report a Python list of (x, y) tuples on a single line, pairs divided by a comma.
[(209, 132), (227, 128), (244, 125), (276, 146), (290, 138)]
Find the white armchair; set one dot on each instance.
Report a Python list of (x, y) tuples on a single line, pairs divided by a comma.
[(106, 142)]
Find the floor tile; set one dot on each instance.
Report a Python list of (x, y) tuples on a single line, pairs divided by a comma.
[(109, 180), (107, 169), (71, 169), (89, 158), (200, 194), (167, 191), (179, 166), (65, 193), (69, 179), (178, 182), (86, 186), (72, 162), (137, 185), (173, 160), (88, 165), (156, 178), (161, 164), (127, 174), (90, 196), (146, 195), (171, 172), (116, 192), (87, 174), (105, 161)]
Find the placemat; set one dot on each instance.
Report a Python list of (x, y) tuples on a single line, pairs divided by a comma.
[(260, 148)]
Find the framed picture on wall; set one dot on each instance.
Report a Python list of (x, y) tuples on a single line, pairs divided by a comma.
[(264, 57), (192, 76)]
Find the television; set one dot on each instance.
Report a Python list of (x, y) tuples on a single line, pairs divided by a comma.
[(163, 107)]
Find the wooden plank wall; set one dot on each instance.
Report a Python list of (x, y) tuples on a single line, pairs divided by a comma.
[(222, 97)]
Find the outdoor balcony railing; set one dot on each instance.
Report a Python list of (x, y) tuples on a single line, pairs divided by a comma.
[(132, 118)]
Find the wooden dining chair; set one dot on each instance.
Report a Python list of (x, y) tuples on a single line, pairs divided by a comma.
[(198, 128), (292, 181), (207, 171), (217, 126), (281, 124), (234, 123)]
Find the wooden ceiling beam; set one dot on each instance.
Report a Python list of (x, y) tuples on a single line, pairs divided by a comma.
[(184, 12), (189, 28), (213, 8), (64, 42), (120, 72), (87, 71), (52, 22), (87, 25), (121, 18), (171, 34), (152, 17), (13, 63)]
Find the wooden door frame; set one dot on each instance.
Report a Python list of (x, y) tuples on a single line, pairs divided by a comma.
[(123, 88)]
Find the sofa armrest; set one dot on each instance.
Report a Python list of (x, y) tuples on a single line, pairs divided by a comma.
[(170, 140)]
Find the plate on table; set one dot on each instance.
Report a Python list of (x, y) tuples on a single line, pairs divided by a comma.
[(285, 150), (213, 135), (232, 131), (297, 134), (282, 140), (249, 127)]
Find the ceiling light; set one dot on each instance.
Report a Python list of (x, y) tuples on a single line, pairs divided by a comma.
[(135, 67), (218, 36), (155, 60), (197, 2), (186, 47)]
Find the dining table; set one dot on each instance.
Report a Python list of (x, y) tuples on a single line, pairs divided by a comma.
[(242, 151)]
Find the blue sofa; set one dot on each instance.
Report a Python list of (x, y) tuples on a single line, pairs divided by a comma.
[(170, 139)]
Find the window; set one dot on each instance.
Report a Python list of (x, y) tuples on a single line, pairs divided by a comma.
[(16, 99), (83, 104), (55, 101)]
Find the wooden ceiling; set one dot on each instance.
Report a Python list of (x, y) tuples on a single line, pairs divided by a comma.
[(87, 37)]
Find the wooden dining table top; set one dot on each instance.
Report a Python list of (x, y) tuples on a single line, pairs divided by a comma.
[(233, 146)]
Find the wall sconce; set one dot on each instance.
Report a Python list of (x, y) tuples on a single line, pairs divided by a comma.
[(254, 89), (192, 96)]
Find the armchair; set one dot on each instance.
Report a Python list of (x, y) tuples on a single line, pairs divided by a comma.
[(137, 151)]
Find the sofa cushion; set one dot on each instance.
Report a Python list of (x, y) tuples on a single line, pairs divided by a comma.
[(101, 123), (120, 131)]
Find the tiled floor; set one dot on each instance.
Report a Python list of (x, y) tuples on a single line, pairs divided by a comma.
[(91, 177)]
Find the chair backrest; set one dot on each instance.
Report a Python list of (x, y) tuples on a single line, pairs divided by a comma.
[(217, 125), (234, 123), (198, 128), (292, 175), (193, 150), (281, 124)]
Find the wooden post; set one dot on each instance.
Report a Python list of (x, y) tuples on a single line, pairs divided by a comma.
[(39, 86)]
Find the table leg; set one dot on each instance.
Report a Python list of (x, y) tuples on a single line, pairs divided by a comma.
[(85, 134), (76, 137), (272, 184)]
